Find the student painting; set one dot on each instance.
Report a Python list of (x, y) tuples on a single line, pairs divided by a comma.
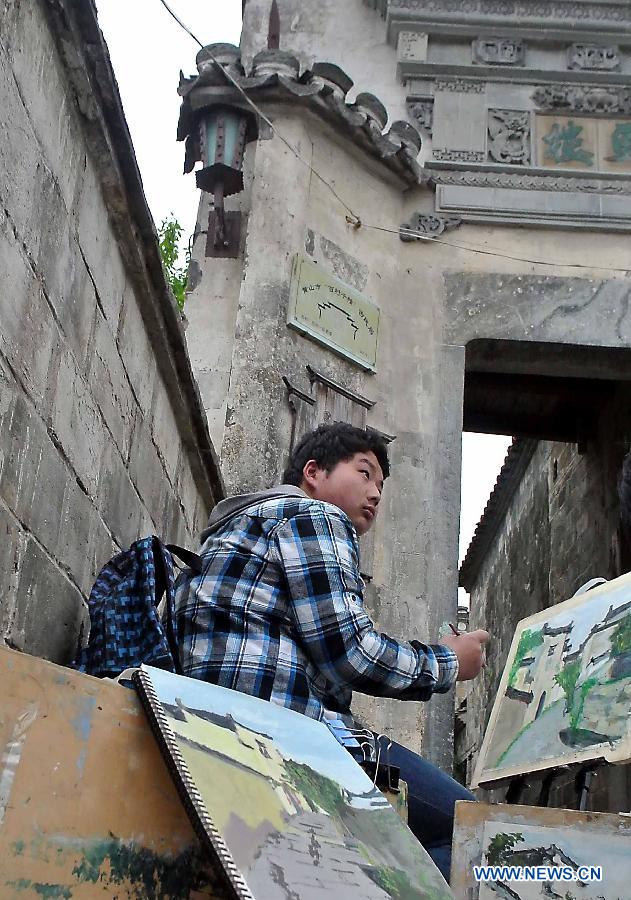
[(278, 612)]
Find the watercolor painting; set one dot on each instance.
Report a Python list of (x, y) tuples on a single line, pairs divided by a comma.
[(508, 835), (504, 843), (299, 816), (565, 693)]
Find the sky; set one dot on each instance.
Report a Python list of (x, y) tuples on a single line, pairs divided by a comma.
[(148, 49)]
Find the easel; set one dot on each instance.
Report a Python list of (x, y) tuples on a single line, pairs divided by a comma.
[(582, 784)]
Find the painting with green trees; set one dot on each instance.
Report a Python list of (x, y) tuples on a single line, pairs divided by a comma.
[(281, 802), (558, 851), (565, 848), (565, 694)]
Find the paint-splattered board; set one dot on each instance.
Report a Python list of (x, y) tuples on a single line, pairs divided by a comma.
[(568, 836), (87, 807)]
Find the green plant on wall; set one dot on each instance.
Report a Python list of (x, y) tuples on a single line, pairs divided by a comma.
[(527, 642), (169, 235)]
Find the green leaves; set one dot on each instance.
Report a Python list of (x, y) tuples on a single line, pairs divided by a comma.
[(169, 235)]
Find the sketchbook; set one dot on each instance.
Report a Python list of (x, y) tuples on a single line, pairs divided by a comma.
[(282, 808), (565, 693)]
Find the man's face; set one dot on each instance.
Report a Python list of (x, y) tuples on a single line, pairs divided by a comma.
[(354, 485)]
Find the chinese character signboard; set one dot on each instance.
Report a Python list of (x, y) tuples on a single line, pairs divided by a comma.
[(333, 313), (578, 142)]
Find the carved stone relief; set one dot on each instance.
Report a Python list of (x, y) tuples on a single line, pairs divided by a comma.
[(579, 99), (460, 85), (412, 46), (427, 226), (498, 51), (458, 155), (421, 110), (521, 9), (531, 182), (593, 57), (509, 136)]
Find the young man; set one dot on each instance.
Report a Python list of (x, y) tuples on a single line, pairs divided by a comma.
[(278, 611)]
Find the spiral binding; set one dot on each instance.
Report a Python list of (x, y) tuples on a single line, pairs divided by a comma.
[(193, 801)]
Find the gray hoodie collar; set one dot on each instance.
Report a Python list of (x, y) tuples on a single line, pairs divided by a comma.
[(232, 506)]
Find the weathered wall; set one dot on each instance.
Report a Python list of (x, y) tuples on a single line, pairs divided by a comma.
[(99, 436), (561, 529)]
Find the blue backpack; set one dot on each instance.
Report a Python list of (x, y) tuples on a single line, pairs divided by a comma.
[(125, 626)]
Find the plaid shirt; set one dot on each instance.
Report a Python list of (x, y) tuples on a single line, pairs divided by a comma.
[(278, 613)]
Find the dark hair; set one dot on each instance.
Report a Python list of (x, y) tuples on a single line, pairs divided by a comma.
[(331, 444)]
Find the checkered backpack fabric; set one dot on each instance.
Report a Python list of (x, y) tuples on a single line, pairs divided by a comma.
[(126, 629)]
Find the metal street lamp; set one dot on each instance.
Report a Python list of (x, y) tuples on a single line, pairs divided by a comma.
[(217, 124), (223, 133)]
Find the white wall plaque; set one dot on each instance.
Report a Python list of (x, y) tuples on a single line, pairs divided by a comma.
[(333, 313)]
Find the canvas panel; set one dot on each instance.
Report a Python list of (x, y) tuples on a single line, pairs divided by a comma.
[(87, 808), (565, 693), (504, 834)]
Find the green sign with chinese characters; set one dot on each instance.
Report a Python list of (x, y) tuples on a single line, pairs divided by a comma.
[(333, 313), (592, 143), (621, 142), (565, 144)]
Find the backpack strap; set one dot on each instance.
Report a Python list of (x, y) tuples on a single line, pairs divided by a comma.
[(162, 569), (192, 560)]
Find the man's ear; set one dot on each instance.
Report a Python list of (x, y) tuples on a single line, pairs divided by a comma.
[(311, 475)]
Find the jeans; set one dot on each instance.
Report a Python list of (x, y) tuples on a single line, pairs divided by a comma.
[(431, 798)]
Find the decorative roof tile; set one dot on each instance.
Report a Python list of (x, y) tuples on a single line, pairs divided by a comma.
[(323, 89)]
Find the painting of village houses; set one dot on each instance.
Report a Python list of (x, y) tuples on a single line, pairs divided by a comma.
[(565, 694), (299, 816), (574, 843)]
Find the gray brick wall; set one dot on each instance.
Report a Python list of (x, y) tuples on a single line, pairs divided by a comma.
[(96, 442)]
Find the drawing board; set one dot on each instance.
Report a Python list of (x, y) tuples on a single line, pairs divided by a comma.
[(565, 694), (281, 805)]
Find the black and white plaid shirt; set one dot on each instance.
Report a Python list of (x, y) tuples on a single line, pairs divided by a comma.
[(278, 613)]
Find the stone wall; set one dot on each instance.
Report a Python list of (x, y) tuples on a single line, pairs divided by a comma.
[(561, 529), (102, 437)]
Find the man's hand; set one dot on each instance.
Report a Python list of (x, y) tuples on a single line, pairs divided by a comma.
[(469, 648)]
